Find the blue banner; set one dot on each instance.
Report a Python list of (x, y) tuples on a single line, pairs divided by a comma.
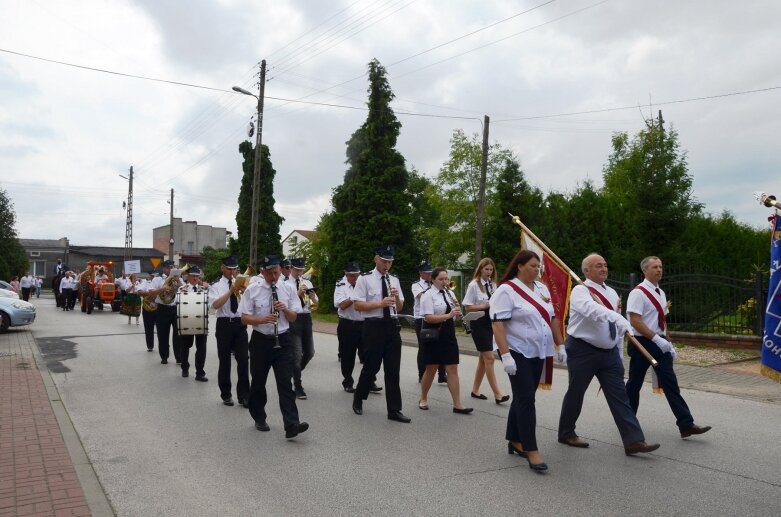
[(771, 341)]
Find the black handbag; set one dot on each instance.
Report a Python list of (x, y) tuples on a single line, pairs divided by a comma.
[(429, 334)]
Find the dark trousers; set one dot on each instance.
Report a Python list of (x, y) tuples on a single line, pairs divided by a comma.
[(26, 293), (584, 362), (72, 301), (349, 334), (67, 294), (166, 320), (263, 357), (522, 418), (232, 339), (382, 343), (149, 328), (303, 344), (421, 362), (638, 366), (200, 352)]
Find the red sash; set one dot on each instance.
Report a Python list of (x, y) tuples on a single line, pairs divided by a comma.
[(657, 306), (601, 297), (540, 308)]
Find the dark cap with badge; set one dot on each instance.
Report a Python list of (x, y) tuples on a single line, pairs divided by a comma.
[(269, 262), (194, 270), (384, 252), (230, 262), (297, 263), (352, 267), (169, 263), (425, 267), (285, 263)]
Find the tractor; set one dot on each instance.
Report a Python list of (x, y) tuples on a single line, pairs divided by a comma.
[(96, 287)]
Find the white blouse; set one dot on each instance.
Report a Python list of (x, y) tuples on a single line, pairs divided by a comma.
[(527, 332)]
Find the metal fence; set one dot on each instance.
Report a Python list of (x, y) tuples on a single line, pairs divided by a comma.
[(708, 303)]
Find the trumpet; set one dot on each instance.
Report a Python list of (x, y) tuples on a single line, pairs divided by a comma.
[(243, 279)]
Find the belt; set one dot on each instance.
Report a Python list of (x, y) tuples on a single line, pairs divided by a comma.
[(598, 348), (164, 306), (229, 319), (348, 320), (268, 336)]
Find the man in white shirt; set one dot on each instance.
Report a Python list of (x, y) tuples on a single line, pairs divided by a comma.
[(378, 296), (595, 348), (301, 328), (647, 312), (27, 283), (269, 306), (167, 331)]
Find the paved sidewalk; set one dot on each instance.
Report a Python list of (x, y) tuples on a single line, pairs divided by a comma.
[(725, 379), (37, 473)]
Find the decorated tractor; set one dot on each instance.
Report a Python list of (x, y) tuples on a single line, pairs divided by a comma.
[(96, 288)]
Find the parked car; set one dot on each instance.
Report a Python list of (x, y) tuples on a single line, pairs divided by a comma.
[(15, 313), (7, 293), (5, 285)]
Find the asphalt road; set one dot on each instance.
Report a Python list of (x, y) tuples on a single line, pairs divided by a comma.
[(164, 445)]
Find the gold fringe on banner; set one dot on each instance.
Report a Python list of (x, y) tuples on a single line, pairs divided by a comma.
[(770, 373)]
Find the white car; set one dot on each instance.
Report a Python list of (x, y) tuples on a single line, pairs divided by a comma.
[(5, 293)]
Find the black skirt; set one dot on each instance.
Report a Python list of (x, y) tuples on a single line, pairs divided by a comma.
[(445, 349), (483, 334)]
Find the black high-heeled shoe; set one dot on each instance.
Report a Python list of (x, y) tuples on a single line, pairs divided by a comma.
[(502, 400), (512, 449), (537, 467)]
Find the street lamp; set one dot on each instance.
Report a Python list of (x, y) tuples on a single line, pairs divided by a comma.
[(253, 239)]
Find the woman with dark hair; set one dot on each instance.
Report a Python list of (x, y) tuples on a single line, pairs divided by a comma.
[(439, 308), (525, 329), (478, 298)]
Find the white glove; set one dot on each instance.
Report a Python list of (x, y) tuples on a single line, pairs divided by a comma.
[(561, 354), (621, 351), (664, 345), (509, 364), (673, 353), (623, 327)]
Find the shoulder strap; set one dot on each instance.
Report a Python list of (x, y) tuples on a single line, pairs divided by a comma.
[(601, 297), (535, 304), (657, 306)]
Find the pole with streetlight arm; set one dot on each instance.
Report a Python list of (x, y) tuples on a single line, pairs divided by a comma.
[(253, 245)]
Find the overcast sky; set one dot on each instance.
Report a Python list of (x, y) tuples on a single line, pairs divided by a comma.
[(66, 134)]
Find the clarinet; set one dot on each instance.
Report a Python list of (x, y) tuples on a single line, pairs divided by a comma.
[(392, 308), (275, 312), (454, 303)]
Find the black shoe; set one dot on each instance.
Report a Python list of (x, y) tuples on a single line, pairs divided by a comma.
[(375, 388), (164, 361), (201, 378), (398, 416), (243, 403), (463, 411), (357, 405), (349, 388), (475, 396), (150, 349), (502, 400), (537, 467), (262, 426), (300, 394), (228, 401), (185, 373), (695, 429), (512, 449), (442, 379), (296, 429)]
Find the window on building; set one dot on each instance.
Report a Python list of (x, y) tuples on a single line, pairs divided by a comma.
[(190, 247), (293, 240), (38, 267), (35, 253)]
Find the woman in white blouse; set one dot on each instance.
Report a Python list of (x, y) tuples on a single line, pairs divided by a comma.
[(525, 329), (478, 298), (438, 312)]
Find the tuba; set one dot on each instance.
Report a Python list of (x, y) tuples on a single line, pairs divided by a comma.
[(243, 279), (171, 285)]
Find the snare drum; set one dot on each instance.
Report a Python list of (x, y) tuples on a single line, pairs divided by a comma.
[(192, 313)]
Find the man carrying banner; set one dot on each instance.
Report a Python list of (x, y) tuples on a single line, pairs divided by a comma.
[(771, 342), (646, 309), (595, 348)]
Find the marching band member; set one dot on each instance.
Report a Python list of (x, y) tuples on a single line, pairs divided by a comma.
[(375, 294), (194, 285), (594, 347), (418, 288), (478, 298), (131, 301), (647, 308), (525, 328), (231, 333), (285, 266), (437, 311), (350, 327), (164, 288), (269, 306), (301, 327), (148, 311)]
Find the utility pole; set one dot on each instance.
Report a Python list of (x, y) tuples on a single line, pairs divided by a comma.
[(171, 227), (481, 195), (253, 240), (129, 220)]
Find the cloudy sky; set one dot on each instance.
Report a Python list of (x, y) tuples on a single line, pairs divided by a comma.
[(68, 133)]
